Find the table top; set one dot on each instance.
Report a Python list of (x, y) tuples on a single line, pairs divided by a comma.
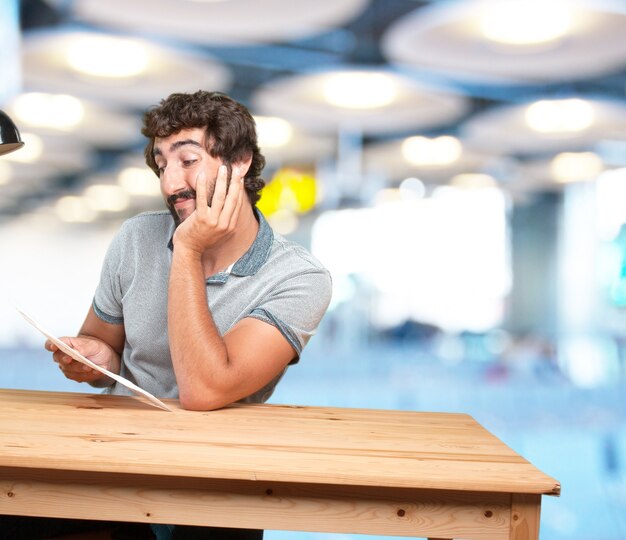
[(279, 443)]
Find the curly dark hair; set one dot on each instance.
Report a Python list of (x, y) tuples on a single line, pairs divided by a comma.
[(230, 129)]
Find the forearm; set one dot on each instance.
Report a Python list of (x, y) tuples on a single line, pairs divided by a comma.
[(199, 355), (112, 337)]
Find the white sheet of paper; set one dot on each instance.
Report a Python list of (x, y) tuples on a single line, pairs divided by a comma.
[(80, 358)]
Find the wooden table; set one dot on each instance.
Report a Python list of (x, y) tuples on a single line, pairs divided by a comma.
[(264, 466)]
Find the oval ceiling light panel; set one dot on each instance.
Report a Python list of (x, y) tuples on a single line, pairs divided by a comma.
[(473, 181), (546, 126), (107, 197), (107, 56), (139, 181), (560, 116), (525, 22), (359, 90), (428, 160), (327, 100), (76, 119), (72, 209), (435, 152), (576, 166), (511, 41), (56, 111), (5, 173), (222, 22), (51, 64), (272, 132)]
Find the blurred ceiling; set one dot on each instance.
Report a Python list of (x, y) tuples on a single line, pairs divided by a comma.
[(368, 92)]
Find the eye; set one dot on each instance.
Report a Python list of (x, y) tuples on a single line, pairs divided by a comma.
[(189, 162)]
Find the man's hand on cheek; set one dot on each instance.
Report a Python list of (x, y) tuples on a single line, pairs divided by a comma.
[(208, 225)]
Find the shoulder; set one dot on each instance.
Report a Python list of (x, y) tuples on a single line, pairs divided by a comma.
[(160, 219), (293, 267), (301, 287), (295, 256), (148, 224), (142, 232)]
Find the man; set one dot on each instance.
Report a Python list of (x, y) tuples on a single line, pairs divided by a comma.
[(210, 306)]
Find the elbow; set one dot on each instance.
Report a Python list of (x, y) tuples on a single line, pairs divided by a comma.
[(197, 393), (206, 402)]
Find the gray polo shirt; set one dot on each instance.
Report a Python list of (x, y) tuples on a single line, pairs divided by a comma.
[(276, 281)]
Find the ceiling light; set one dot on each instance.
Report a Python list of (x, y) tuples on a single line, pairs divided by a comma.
[(104, 56), (359, 90), (139, 181), (437, 152), (74, 210), (576, 166), (107, 197), (560, 116), (525, 22), (272, 132), (31, 151), (473, 181), (5, 172), (412, 188), (387, 196), (48, 110)]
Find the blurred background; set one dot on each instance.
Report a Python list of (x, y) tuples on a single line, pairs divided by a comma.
[(459, 166)]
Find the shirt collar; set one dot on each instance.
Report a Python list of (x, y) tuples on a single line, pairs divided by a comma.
[(252, 260)]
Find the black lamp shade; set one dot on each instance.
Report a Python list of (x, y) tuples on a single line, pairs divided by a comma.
[(9, 135)]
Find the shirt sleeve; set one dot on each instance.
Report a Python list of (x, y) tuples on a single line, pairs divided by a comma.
[(107, 302), (296, 306)]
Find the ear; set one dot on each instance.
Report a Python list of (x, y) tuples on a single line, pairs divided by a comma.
[(243, 165)]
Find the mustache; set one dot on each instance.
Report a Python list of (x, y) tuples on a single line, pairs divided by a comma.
[(187, 194)]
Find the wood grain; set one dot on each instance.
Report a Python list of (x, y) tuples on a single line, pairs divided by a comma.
[(256, 504), (264, 466), (261, 442), (525, 510)]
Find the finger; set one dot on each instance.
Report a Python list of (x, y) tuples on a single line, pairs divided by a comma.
[(49, 346), (201, 191), (241, 197), (79, 373), (219, 194), (61, 358), (74, 366), (231, 205)]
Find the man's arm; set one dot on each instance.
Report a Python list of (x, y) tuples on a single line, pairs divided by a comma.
[(213, 371), (99, 341)]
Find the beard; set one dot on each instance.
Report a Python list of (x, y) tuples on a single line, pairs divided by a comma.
[(190, 194), (171, 200)]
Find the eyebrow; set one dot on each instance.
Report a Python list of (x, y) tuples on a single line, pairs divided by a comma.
[(176, 145)]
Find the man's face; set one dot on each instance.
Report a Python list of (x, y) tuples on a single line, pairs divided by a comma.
[(180, 158)]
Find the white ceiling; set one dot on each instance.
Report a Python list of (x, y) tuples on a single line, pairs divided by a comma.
[(274, 55)]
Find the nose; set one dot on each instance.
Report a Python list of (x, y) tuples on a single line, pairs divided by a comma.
[(172, 180)]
